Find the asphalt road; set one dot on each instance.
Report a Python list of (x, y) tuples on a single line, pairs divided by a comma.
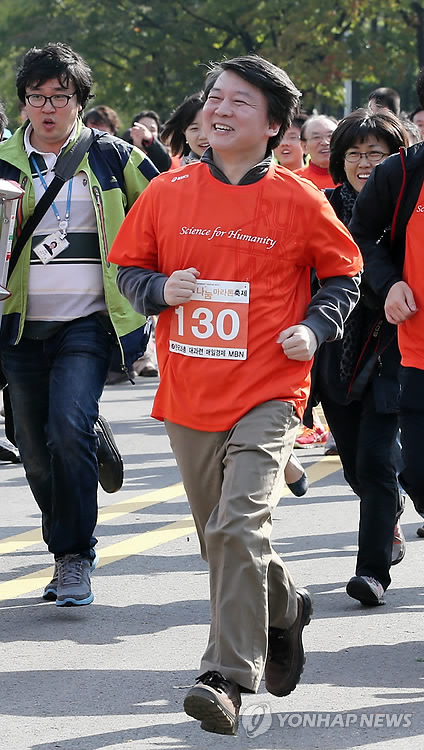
[(113, 675)]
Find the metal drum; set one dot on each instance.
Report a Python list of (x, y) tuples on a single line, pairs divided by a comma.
[(10, 192)]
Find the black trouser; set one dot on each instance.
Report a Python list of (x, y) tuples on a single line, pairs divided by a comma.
[(412, 424), (366, 442)]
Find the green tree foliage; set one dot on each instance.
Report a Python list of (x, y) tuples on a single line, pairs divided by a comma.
[(151, 55)]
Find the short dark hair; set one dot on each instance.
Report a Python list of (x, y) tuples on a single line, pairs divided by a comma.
[(356, 127), (280, 92), (103, 115), (173, 130), (147, 113), (3, 120), (55, 60), (386, 97), (299, 120)]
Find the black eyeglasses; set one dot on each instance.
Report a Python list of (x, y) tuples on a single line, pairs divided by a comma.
[(58, 101), (373, 156)]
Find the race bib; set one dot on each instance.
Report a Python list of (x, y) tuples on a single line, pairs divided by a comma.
[(213, 324)]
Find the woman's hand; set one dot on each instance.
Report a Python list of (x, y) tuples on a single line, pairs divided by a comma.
[(400, 303)]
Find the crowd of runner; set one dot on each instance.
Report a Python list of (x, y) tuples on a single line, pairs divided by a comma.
[(235, 279)]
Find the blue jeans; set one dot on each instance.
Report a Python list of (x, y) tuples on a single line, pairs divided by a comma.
[(55, 386)]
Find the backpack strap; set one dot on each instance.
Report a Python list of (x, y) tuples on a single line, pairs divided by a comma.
[(65, 168)]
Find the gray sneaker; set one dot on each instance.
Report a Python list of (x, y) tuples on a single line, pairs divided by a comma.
[(50, 591), (73, 584)]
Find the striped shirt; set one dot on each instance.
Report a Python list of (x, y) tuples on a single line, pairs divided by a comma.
[(70, 286)]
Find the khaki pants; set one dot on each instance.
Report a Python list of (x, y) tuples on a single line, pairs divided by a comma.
[(233, 480)]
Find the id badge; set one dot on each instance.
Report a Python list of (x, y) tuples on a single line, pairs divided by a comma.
[(50, 247)]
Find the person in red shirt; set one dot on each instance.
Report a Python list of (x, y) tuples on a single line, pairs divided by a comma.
[(222, 250), (315, 135), (289, 152)]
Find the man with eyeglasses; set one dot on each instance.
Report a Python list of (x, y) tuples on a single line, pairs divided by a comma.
[(394, 197), (315, 136), (65, 313)]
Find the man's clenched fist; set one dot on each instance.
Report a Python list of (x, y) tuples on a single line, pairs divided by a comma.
[(298, 342), (180, 286)]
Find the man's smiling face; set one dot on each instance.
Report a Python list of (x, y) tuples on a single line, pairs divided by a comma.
[(317, 136), (235, 118), (289, 151)]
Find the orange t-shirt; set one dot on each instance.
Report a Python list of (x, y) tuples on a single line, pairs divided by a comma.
[(411, 332), (318, 175), (255, 245)]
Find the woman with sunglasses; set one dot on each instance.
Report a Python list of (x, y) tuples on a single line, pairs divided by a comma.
[(357, 378)]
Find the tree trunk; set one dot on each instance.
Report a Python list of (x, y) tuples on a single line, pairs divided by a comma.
[(419, 10)]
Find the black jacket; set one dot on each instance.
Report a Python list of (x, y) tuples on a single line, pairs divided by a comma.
[(381, 214), (378, 357)]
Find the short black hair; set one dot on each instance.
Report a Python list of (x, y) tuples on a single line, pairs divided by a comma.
[(3, 120), (280, 92), (55, 60), (386, 97), (173, 130), (299, 120), (356, 127), (103, 115), (147, 113)]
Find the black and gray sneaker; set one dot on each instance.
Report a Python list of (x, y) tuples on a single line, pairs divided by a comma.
[(50, 591), (367, 590), (8, 452), (73, 581)]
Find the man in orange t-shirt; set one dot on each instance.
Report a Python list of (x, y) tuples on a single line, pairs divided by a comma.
[(315, 136), (222, 250)]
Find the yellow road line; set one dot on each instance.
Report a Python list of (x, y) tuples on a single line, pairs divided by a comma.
[(132, 546), (149, 539), (20, 541), (323, 468), (106, 513), (140, 542)]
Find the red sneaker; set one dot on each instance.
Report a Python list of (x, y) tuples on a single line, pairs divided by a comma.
[(315, 436)]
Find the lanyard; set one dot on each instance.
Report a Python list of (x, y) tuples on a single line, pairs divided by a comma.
[(63, 224)]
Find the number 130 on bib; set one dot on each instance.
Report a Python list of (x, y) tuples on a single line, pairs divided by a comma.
[(214, 323)]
